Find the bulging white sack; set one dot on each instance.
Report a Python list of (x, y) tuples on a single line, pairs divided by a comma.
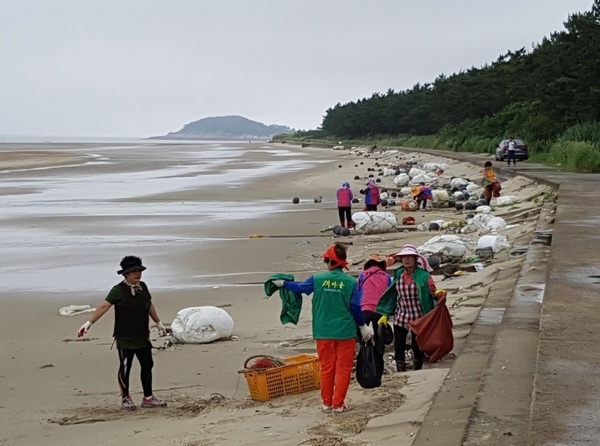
[(458, 182), (201, 325), (414, 171), (505, 200), (435, 167), (440, 196), (495, 223), (374, 222), (496, 242), (424, 178), (387, 172), (444, 246), (401, 180)]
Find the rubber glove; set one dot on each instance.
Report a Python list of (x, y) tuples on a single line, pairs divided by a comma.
[(440, 294), (84, 329), (278, 283), (162, 331), (366, 331), (382, 320)]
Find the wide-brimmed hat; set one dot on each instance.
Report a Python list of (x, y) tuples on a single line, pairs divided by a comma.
[(408, 250), (375, 259), (130, 264)]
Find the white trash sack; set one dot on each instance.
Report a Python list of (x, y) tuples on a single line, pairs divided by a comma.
[(447, 247), (401, 180), (371, 222), (201, 325), (496, 242), (505, 200), (440, 196)]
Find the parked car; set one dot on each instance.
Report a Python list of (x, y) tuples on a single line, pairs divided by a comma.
[(521, 152)]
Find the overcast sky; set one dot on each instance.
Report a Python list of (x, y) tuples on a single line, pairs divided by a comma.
[(138, 68)]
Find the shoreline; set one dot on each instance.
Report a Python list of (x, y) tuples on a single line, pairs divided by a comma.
[(82, 374)]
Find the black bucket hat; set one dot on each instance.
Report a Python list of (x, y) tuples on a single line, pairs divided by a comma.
[(131, 263)]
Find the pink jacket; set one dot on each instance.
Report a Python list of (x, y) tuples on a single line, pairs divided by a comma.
[(372, 283), (344, 197)]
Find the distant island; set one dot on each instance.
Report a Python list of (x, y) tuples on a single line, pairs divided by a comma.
[(221, 128)]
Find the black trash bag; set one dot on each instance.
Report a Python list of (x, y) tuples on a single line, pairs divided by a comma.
[(368, 374)]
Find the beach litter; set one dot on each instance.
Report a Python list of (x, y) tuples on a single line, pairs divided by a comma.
[(73, 310), (202, 325)]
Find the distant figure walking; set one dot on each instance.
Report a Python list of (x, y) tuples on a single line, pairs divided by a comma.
[(371, 194), (489, 178), (511, 152), (344, 205)]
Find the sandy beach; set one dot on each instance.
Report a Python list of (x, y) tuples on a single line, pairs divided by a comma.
[(62, 241)]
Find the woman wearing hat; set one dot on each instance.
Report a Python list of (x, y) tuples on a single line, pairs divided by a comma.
[(335, 313), (372, 283), (344, 197), (133, 308), (371, 194), (411, 295)]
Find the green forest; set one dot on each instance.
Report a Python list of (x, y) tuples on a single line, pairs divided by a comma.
[(548, 95)]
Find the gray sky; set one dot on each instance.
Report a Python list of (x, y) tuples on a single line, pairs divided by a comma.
[(138, 68)]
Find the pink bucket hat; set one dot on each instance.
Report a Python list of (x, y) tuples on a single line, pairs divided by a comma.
[(410, 250)]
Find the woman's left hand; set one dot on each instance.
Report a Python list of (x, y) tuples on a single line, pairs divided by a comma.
[(440, 295)]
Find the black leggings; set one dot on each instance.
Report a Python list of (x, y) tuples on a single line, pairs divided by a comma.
[(144, 356), (345, 213), (400, 334)]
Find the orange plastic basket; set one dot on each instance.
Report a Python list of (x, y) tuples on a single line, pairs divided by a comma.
[(300, 374)]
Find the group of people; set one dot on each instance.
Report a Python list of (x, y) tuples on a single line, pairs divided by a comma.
[(341, 303), (422, 194), (345, 196)]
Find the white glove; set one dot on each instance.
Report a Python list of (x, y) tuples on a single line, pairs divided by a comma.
[(278, 283), (162, 331), (84, 329), (366, 331)]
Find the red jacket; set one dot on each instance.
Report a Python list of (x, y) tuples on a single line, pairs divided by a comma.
[(344, 197)]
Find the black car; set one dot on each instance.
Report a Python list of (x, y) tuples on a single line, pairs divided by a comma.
[(521, 152)]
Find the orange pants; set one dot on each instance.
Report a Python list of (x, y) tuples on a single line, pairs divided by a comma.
[(336, 358)]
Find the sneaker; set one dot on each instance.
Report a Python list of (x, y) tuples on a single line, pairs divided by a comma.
[(127, 403), (152, 401), (326, 409), (344, 408)]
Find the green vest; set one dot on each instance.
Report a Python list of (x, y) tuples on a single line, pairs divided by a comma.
[(389, 300), (331, 316)]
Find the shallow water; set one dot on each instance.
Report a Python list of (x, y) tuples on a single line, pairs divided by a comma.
[(59, 223)]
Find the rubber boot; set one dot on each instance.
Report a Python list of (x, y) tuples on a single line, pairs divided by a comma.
[(400, 366), (417, 364), (343, 224)]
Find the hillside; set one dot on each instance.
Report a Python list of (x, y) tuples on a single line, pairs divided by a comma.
[(226, 128)]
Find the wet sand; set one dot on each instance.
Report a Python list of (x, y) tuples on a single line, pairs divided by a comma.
[(196, 261)]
